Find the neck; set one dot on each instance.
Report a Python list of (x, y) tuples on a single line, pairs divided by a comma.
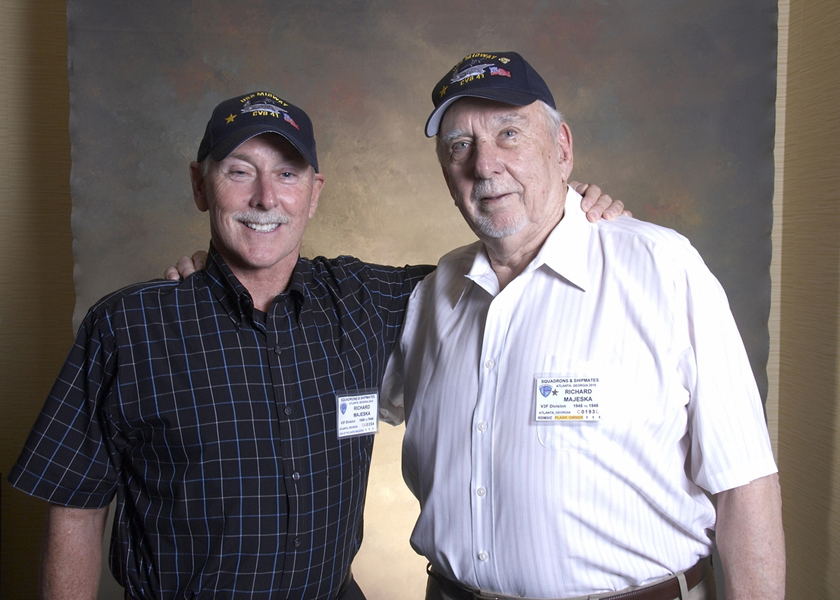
[(508, 260), (265, 285), (264, 291), (509, 256)]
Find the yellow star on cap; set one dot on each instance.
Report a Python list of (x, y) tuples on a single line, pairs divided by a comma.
[(230, 119), (443, 91)]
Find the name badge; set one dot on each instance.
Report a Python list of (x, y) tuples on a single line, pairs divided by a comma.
[(358, 413), (568, 398)]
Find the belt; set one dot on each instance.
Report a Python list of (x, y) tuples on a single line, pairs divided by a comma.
[(662, 590)]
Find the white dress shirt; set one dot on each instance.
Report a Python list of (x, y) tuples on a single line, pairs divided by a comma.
[(568, 507)]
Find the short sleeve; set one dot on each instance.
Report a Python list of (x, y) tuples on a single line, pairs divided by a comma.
[(67, 458), (730, 445)]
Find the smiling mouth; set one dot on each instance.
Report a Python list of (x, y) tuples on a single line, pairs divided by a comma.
[(262, 227), (262, 222)]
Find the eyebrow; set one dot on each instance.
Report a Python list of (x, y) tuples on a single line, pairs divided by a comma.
[(239, 156), (501, 120)]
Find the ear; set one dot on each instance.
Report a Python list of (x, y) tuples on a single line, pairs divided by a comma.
[(566, 158), (318, 181), (198, 187)]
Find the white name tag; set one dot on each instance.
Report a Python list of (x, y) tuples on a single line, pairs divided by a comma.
[(565, 398), (358, 413)]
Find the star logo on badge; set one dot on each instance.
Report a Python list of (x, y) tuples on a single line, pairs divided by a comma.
[(443, 91), (230, 119)]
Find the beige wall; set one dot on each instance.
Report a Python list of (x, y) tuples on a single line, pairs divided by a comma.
[(809, 332), (36, 278), (36, 302)]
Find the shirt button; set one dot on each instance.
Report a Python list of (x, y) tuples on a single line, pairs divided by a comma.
[(490, 363), (295, 475), (277, 350), (482, 426), (288, 410), (297, 542), (483, 556), (481, 492)]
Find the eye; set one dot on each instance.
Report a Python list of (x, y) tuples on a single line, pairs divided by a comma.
[(459, 148), (237, 170), (238, 173)]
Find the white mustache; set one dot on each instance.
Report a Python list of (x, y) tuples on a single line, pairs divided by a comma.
[(487, 188), (262, 218)]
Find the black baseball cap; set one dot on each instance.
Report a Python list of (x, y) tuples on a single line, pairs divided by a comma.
[(502, 76), (239, 119)]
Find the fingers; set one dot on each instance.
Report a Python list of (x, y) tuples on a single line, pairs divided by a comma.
[(199, 260), (590, 193), (614, 210), (597, 205), (185, 266)]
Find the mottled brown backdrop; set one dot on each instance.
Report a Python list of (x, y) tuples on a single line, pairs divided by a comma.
[(671, 104)]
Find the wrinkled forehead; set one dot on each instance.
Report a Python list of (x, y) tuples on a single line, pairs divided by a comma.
[(471, 114)]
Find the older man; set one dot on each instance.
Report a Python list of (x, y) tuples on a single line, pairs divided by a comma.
[(225, 412), (572, 391)]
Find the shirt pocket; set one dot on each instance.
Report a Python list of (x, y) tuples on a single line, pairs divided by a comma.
[(596, 381)]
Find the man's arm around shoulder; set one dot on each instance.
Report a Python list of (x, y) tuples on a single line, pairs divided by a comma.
[(751, 540), (71, 557)]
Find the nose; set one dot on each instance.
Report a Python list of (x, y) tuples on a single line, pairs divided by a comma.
[(487, 159), (265, 195)]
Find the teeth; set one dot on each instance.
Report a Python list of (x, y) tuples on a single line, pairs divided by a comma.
[(263, 228)]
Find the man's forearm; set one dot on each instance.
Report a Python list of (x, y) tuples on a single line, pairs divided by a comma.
[(751, 540), (71, 556)]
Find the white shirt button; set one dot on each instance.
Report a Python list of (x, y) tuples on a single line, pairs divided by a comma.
[(490, 363), (483, 556), (481, 491), (482, 426)]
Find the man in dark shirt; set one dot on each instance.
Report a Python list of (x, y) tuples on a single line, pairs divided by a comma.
[(215, 409)]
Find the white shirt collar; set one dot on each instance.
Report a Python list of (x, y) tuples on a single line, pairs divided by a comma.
[(564, 251)]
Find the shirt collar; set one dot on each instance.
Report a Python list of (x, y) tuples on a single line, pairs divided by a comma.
[(564, 251), (236, 299)]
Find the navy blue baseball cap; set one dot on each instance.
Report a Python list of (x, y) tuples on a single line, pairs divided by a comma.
[(502, 76), (237, 120)]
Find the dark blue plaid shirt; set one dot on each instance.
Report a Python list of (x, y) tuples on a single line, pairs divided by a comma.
[(217, 432)]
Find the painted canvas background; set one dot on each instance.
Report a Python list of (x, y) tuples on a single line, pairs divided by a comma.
[(671, 106)]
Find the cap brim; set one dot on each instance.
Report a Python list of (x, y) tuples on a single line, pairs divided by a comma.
[(513, 97), (221, 150)]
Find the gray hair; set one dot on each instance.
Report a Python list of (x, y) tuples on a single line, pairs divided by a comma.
[(204, 166), (554, 117)]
